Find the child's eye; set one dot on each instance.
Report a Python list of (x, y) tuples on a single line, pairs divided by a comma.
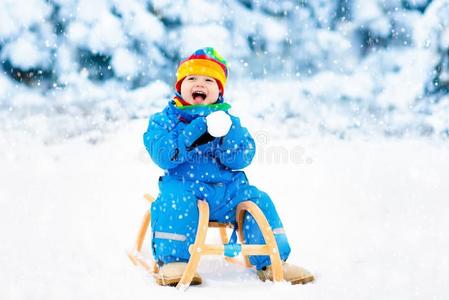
[(209, 80), (191, 78)]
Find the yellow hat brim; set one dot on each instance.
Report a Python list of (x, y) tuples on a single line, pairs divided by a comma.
[(201, 67)]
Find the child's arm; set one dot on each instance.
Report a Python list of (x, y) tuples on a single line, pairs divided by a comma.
[(168, 143), (237, 147)]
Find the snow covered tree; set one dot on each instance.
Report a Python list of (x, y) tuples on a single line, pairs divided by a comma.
[(77, 54)]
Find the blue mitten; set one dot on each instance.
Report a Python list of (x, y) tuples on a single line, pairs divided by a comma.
[(192, 132), (169, 145), (187, 135)]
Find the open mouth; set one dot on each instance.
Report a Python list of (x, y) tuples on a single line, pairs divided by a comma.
[(199, 95)]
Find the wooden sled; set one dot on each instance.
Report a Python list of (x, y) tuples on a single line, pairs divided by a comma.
[(199, 248)]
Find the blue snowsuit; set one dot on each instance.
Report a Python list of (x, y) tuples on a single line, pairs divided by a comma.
[(198, 166)]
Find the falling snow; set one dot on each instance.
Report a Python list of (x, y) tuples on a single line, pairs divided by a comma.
[(356, 90)]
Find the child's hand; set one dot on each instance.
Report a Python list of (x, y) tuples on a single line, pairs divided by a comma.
[(193, 131), (218, 123)]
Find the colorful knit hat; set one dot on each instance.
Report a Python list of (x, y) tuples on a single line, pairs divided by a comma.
[(205, 62)]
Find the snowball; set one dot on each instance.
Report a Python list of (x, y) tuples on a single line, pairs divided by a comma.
[(218, 123)]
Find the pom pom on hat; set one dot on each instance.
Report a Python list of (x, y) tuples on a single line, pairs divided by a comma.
[(206, 62)]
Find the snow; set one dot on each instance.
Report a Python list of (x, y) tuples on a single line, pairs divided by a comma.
[(78, 32), (5, 87), (7, 27), (402, 87), (17, 15), (124, 63), (204, 12), (439, 119), (25, 53), (96, 27), (27, 99), (431, 24), (324, 85), (106, 34), (347, 102), (90, 11), (274, 30), (417, 2), (212, 35), (366, 11), (145, 26), (354, 61), (368, 218)]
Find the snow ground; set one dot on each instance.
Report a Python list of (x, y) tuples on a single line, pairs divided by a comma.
[(368, 218)]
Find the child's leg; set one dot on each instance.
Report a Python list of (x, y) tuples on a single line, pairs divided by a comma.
[(251, 230), (241, 191), (174, 221)]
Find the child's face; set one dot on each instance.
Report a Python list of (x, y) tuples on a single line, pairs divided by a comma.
[(199, 89)]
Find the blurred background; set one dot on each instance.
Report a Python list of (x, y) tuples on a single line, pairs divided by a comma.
[(345, 68), (347, 100)]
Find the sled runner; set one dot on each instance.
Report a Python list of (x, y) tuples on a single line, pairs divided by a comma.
[(229, 247)]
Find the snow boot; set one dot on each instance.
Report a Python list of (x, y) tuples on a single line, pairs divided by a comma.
[(292, 274), (170, 274)]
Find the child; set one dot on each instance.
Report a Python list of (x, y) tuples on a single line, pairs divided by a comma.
[(201, 146)]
